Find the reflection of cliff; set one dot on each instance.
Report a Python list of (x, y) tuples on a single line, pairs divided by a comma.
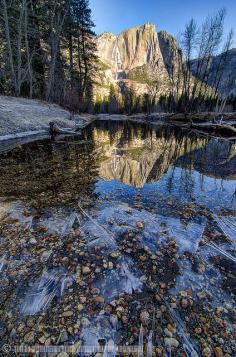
[(47, 173), (135, 157)]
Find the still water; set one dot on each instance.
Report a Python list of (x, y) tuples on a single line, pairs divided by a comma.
[(123, 237)]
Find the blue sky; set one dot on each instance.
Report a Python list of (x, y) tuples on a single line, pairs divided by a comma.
[(169, 15)]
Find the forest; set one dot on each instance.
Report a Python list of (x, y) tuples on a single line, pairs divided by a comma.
[(48, 52)]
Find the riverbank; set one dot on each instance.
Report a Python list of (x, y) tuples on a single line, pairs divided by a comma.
[(20, 115), (21, 118)]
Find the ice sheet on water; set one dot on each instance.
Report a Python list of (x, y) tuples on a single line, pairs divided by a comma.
[(17, 212), (120, 218), (221, 251), (209, 282), (150, 344), (103, 327), (69, 223), (110, 349), (190, 347), (228, 226), (140, 342), (186, 235), (57, 221), (2, 262), (122, 279), (51, 284)]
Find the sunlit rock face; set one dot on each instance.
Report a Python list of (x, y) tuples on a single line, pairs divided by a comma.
[(134, 49)]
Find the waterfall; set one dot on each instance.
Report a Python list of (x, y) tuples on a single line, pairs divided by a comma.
[(116, 57)]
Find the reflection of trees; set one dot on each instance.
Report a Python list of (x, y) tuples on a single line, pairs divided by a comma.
[(51, 173), (216, 159), (48, 172)]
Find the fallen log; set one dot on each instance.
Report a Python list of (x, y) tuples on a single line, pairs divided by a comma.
[(54, 129), (220, 128)]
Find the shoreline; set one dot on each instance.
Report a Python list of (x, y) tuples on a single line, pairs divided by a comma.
[(26, 119)]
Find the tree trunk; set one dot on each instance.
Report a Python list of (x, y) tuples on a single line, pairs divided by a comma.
[(8, 39)]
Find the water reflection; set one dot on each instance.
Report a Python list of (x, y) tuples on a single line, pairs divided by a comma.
[(56, 173), (128, 226), (47, 173)]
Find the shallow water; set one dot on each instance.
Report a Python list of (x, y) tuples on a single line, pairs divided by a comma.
[(131, 225)]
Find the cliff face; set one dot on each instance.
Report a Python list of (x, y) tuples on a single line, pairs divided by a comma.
[(133, 55), (228, 82), (141, 54), (170, 52)]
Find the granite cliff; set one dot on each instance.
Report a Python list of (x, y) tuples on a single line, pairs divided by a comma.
[(140, 55), (136, 55)]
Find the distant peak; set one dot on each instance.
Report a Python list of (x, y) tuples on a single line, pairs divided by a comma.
[(106, 35), (145, 26)]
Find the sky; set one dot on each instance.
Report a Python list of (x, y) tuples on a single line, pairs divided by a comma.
[(169, 15)]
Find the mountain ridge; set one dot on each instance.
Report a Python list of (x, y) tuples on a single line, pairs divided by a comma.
[(132, 54), (141, 54)]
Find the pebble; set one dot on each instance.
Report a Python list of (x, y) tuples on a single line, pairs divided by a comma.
[(29, 337), (125, 319), (21, 327), (42, 340), (67, 314), (201, 268), (206, 352), (158, 314), (171, 328), (30, 323), (80, 307), (201, 295), (86, 270), (171, 342), (63, 337), (218, 352), (144, 317), (120, 309), (63, 354), (198, 330), (139, 225), (85, 322), (95, 291), (114, 255), (99, 299), (45, 255), (110, 265), (167, 333)]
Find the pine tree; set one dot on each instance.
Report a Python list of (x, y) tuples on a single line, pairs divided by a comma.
[(48, 50)]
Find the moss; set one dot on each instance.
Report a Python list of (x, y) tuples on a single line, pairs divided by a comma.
[(139, 74), (102, 66)]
